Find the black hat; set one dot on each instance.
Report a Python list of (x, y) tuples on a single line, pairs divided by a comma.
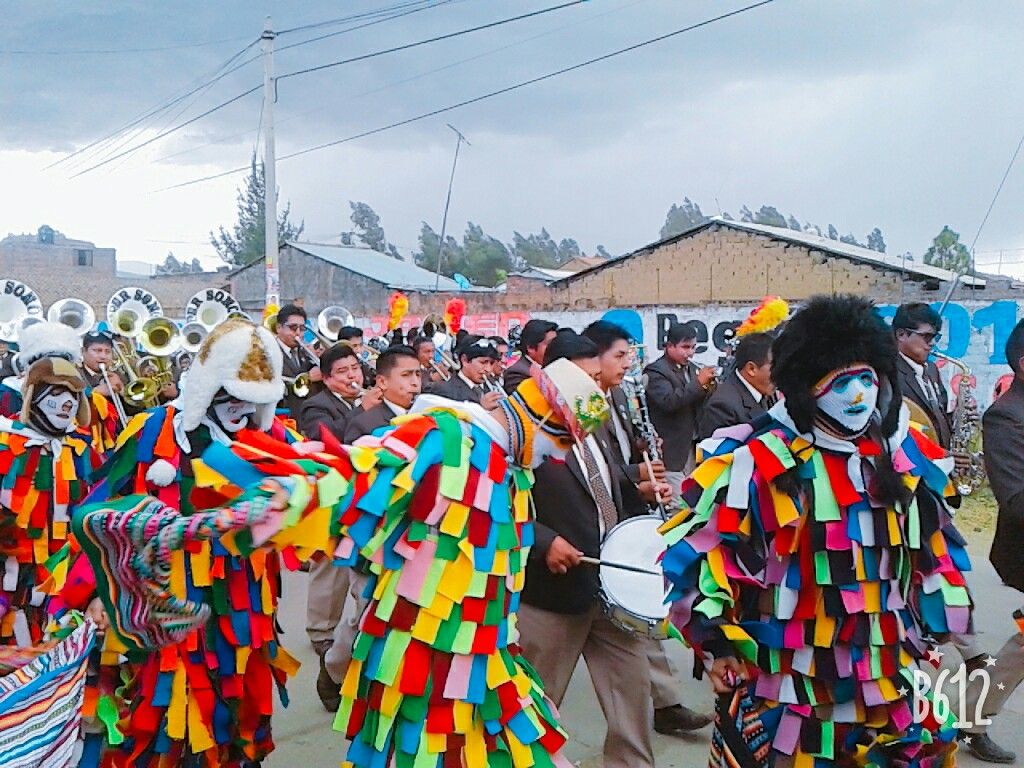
[(831, 332)]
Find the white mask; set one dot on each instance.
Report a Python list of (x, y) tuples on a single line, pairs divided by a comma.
[(58, 408), (233, 415), (849, 395)]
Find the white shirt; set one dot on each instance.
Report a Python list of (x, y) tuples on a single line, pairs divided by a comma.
[(926, 385), (469, 383), (758, 397), (602, 468), (396, 409)]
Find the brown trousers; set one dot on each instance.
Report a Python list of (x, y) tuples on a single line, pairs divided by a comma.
[(325, 599), (619, 670)]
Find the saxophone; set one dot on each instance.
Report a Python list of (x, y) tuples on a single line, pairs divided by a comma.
[(965, 435)]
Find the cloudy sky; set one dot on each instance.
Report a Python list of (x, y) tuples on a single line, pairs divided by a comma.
[(900, 115)]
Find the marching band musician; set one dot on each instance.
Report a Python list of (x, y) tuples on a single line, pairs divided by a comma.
[(398, 379), (6, 360), (342, 399), (291, 327), (430, 370), (498, 366), (354, 338), (472, 383), (676, 389), (98, 353), (916, 327), (561, 618), (536, 336), (739, 398), (614, 359)]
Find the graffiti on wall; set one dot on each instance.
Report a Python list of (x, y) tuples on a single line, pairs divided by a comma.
[(975, 332)]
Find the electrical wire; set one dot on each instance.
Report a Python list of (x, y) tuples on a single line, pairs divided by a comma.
[(363, 57), (491, 94), (163, 106), (418, 43), (410, 79), (355, 16), (95, 51), (999, 189)]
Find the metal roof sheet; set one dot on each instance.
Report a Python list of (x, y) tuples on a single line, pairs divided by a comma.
[(377, 266)]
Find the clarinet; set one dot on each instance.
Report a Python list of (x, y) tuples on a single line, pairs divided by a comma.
[(644, 423)]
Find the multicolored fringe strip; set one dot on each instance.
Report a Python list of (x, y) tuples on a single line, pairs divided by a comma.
[(41, 694), (443, 521), (826, 595)]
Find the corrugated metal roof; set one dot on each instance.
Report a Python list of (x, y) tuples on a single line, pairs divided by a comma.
[(853, 251), (843, 250), (377, 266)]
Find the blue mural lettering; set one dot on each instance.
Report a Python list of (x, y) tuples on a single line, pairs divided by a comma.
[(1002, 316)]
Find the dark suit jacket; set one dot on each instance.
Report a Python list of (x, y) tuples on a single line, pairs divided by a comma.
[(910, 387), (516, 374), (1003, 425), (328, 410), (673, 405), (290, 370), (364, 423), (730, 404), (635, 459), (456, 389), (565, 507)]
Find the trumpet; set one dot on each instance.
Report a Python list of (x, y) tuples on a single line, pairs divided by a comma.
[(441, 372), (159, 338), (491, 384)]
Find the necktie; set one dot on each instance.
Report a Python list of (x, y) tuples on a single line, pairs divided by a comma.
[(296, 358), (686, 374), (602, 496)]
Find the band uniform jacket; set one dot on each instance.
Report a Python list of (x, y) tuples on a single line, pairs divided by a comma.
[(6, 365), (326, 409), (566, 507), (621, 409), (516, 374), (365, 422), (673, 404), (457, 389), (290, 369), (1003, 426), (730, 404), (911, 388)]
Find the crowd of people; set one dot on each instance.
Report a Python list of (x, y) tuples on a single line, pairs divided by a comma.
[(450, 503)]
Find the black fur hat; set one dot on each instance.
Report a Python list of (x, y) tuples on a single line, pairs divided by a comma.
[(831, 332)]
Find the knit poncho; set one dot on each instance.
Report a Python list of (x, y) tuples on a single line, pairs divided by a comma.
[(826, 594)]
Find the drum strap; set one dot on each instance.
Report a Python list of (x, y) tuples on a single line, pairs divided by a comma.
[(598, 489)]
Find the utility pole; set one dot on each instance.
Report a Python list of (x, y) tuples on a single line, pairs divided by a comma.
[(269, 167), (447, 202)]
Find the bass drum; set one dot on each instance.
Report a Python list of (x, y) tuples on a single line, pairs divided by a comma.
[(635, 602)]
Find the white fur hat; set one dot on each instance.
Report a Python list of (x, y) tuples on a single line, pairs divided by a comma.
[(46, 339), (242, 359)]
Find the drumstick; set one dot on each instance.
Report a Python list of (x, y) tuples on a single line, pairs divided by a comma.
[(620, 566)]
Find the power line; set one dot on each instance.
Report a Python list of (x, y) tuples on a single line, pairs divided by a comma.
[(410, 79), (491, 94), (397, 15), (163, 106), (363, 57), (169, 131), (93, 51), (999, 189), (355, 16), (418, 43)]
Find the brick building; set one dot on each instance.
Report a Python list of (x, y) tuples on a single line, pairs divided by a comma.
[(57, 267)]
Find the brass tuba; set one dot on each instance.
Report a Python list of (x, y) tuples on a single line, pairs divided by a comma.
[(18, 304), (211, 307), (965, 437), (74, 313), (331, 320), (129, 309)]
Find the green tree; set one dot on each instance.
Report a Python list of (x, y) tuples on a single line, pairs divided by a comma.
[(603, 252), (426, 256), (875, 240), (681, 218), (833, 233), (367, 227), (172, 266), (948, 252), (245, 243)]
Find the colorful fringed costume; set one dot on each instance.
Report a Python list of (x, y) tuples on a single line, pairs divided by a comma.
[(817, 548), (206, 700), (40, 479), (441, 514)]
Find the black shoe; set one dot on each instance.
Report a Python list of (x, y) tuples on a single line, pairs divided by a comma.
[(328, 690), (986, 750), (669, 720)]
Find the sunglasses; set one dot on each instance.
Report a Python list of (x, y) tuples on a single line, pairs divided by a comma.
[(295, 326), (929, 337)]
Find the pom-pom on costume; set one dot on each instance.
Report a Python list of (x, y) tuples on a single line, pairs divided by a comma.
[(438, 505), (398, 307), (816, 546), (766, 317)]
